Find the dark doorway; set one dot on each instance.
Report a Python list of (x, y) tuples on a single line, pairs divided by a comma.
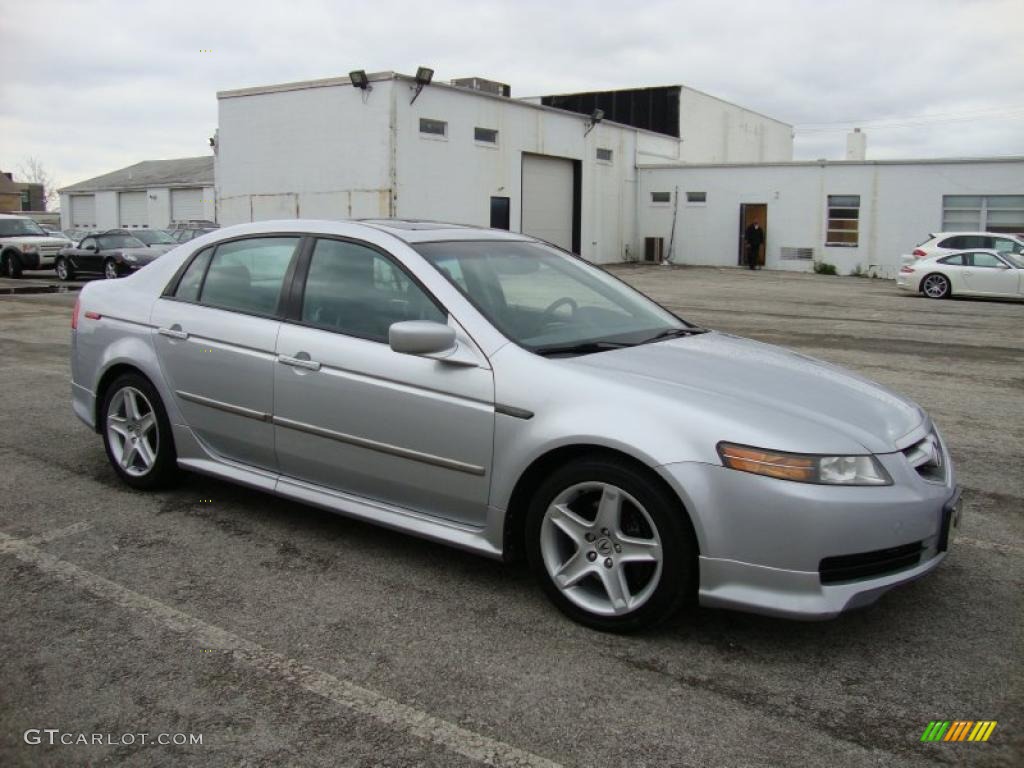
[(500, 207), (749, 213)]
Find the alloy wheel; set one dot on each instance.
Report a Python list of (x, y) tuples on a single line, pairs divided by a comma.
[(601, 548), (132, 431), (935, 286), (62, 269), (110, 269)]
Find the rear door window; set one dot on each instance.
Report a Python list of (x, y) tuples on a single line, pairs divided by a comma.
[(247, 275), (192, 280)]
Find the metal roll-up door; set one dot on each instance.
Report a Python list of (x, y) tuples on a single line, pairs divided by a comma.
[(132, 209), (547, 199), (83, 210), (186, 204)]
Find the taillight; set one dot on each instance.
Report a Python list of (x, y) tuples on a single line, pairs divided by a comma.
[(906, 270), (918, 253), (74, 314)]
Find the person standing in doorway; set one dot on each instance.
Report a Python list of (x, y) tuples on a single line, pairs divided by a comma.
[(754, 237)]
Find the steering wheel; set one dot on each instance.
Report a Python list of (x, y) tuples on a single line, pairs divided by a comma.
[(549, 312)]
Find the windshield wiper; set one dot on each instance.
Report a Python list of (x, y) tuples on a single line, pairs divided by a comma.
[(673, 333), (584, 348)]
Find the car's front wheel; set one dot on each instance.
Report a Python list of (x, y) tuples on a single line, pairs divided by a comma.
[(936, 286), (11, 265), (110, 270), (64, 269), (137, 433), (612, 548)]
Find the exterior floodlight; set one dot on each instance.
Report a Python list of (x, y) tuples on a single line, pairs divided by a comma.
[(595, 117), (359, 79), (423, 77)]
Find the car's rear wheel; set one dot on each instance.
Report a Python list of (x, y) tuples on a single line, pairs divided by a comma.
[(137, 433), (11, 265), (64, 269), (936, 286), (110, 270), (612, 549)]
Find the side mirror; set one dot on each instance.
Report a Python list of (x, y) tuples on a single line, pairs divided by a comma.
[(421, 337)]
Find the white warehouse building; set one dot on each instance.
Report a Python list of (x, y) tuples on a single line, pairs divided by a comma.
[(628, 175), (150, 194), (856, 214), (470, 154)]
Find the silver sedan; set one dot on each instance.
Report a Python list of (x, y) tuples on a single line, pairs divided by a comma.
[(483, 389)]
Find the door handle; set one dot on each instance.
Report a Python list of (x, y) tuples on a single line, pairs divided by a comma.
[(174, 333), (298, 362)]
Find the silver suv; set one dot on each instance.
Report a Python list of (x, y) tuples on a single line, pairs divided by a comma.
[(26, 245)]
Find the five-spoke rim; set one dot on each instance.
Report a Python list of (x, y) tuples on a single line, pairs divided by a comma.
[(935, 285), (601, 548), (132, 431)]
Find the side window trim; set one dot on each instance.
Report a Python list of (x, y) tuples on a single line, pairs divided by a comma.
[(298, 293)]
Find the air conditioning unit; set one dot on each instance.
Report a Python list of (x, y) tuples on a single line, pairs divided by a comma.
[(789, 253), (484, 85)]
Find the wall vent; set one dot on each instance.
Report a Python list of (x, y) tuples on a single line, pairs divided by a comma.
[(797, 254)]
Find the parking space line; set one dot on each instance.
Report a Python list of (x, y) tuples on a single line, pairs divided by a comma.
[(59, 533), (363, 701)]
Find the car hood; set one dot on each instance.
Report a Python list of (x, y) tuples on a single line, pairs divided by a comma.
[(768, 378)]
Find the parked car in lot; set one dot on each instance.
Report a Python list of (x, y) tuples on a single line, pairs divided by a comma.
[(966, 273), (111, 255), (156, 239), (25, 245), (184, 235), (486, 390), (76, 235), (54, 232), (941, 243)]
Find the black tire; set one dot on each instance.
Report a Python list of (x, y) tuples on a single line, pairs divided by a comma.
[(110, 266), (164, 470), (677, 584), (68, 272), (12, 265), (941, 282)]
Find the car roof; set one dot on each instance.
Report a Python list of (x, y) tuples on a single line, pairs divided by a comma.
[(13, 216), (424, 231), (1012, 236)]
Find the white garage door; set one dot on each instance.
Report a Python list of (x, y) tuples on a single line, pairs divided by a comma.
[(186, 204), (547, 199), (83, 210), (132, 207)]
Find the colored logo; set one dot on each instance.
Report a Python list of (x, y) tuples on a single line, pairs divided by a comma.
[(958, 730)]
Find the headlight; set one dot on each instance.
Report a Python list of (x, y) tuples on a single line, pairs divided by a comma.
[(131, 259), (29, 248), (804, 468)]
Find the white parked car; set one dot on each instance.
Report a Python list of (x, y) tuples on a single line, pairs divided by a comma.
[(26, 245), (967, 273), (940, 243)]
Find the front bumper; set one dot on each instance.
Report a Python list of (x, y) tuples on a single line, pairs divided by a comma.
[(772, 546)]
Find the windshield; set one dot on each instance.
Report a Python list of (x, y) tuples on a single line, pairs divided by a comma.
[(153, 237), (547, 301), (119, 241), (20, 227)]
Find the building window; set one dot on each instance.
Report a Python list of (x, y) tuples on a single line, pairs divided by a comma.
[(983, 213), (605, 155), (433, 127), (696, 198), (661, 197), (843, 220), (485, 135)]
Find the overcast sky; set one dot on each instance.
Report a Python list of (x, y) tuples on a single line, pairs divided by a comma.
[(89, 87)]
